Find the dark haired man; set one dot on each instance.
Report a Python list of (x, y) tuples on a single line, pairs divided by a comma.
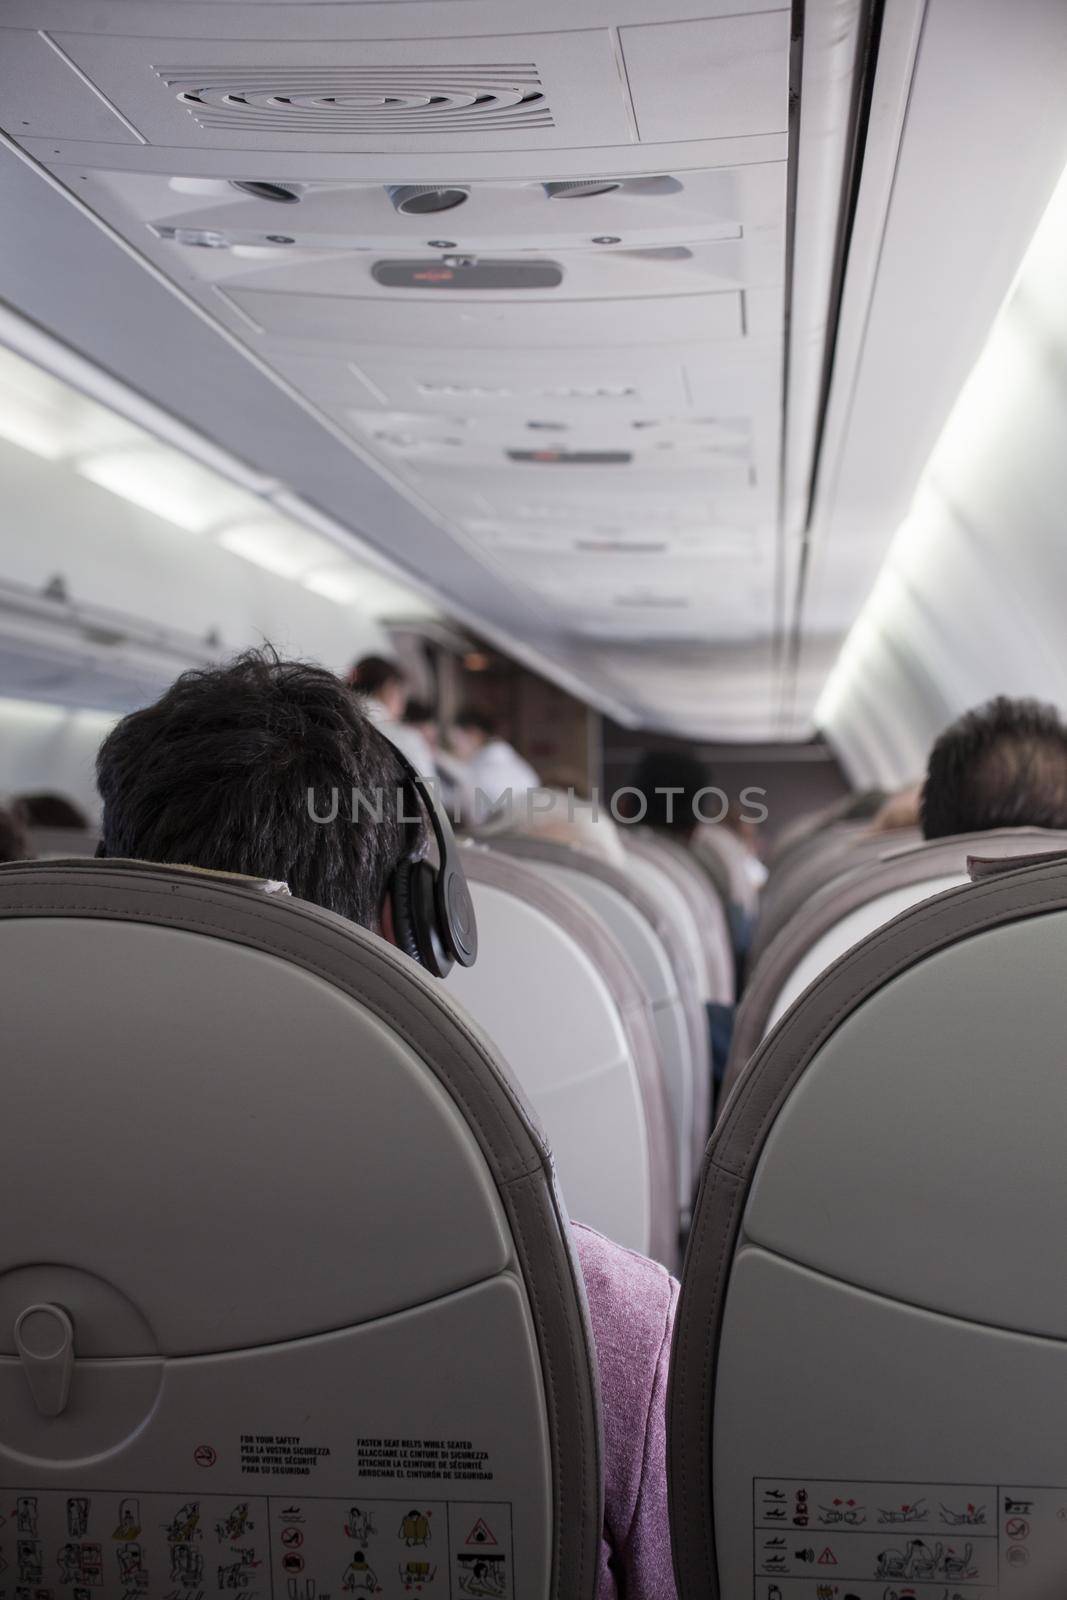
[(217, 774), (1002, 765)]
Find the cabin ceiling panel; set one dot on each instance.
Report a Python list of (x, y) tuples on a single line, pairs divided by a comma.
[(605, 446)]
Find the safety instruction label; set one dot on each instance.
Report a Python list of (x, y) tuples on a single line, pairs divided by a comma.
[(102, 1545), (818, 1539)]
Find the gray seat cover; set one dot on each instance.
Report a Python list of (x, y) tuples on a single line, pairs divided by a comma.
[(61, 843), (868, 1387), (715, 841), (329, 1331), (663, 963), (845, 846), (557, 994), (704, 903), (854, 904)]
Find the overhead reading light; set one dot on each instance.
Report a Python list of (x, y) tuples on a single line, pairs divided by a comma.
[(582, 188), (278, 192), (421, 199)]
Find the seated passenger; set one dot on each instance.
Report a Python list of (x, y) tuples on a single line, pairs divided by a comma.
[(14, 840), (48, 810), (384, 687), (1002, 765), (220, 773), (495, 771)]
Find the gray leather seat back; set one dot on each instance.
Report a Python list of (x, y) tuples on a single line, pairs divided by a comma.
[(705, 906), (715, 841), (686, 955), (869, 1373), (53, 844), (648, 939), (853, 905), (328, 1331), (558, 996), (846, 846)]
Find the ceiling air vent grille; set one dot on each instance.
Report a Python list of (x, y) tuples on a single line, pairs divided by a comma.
[(363, 99)]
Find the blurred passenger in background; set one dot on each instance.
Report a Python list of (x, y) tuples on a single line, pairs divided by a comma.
[(48, 810), (1002, 765), (670, 782), (385, 691), (495, 773), (420, 715), (14, 840)]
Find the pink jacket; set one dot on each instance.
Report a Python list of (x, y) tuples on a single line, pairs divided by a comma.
[(631, 1305)]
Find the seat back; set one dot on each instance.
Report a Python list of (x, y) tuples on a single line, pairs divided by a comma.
[(869, 1372), (713, 841), (650, 940), (559, 997), (706, 908), (50, 844), (846, 846), (282, 1203), (687, 958), (853, 905)]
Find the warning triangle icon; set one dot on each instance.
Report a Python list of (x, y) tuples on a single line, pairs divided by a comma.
[(828, 1559), (481, 1533)]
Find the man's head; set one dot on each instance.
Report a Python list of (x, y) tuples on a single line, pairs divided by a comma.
[(225, 769), (1003, 765), (383, 681), (421, 714), (48, 810), (471, 731), (671, 783)]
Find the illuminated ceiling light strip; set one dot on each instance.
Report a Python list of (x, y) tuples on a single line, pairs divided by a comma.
[(989, 388), (143, 472)]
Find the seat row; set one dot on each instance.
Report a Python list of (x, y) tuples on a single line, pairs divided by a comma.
[(284, 1242), (594, 979)]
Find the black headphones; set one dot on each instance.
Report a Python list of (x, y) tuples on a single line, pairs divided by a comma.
[(433, 913)]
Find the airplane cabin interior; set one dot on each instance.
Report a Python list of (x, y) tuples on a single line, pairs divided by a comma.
[(533, 799)]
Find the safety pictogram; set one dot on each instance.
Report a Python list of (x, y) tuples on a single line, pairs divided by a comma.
[(481, 1533), (205, 1455), (827, 1559)]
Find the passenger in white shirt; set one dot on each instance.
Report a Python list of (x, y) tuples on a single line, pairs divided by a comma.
[(496, 774), (384, 687)]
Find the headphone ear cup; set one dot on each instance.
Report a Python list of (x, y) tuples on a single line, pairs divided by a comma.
[(403, 911), (433, 953), (414, 902)]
